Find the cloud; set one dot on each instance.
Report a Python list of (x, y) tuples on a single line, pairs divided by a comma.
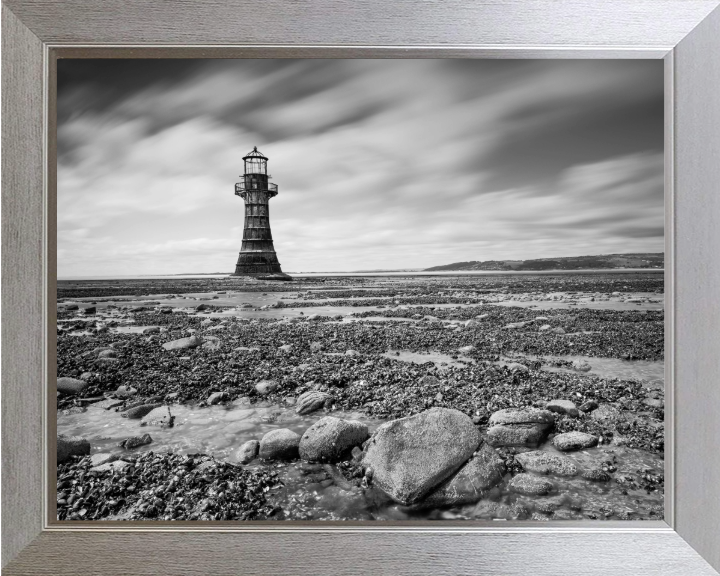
[(380, 163)]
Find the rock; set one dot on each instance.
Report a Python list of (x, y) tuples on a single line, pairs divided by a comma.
[(411, 456), (466, 349), (125, 391), (563, 407), (581, 366), (181, 344), (248, 451), (519, 427), (201, 307), (70, 385), (515, 325), (151, 330), (316, 347), (159, 416), (71, 307), (596, 475), (69, 446), (528, 435), (311, 401), (86, 376), (544, 327), (654, 402), (483, 471), (109, 404), (135, 441), (429, 380), (314, 317), (352, 353), (245, 349), (605, 412), (517, 367), (217, 397), (102, 458), (89, 310), (279, 444), (589, 406), (531, 485), (522, 416), (558, 330), (108, 354), (265, 387), (140, 411), (285, 348), (547, 463), (116, 465), (330, 438), (574, 441)]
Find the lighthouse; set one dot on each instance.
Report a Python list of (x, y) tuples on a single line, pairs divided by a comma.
[(257, 254)]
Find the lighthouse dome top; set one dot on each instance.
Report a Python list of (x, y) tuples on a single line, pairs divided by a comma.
[(255, 153)]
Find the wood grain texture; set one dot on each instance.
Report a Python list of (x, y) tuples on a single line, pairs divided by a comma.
[(195, 554), (370, 22), (697, 218), (22, 281)]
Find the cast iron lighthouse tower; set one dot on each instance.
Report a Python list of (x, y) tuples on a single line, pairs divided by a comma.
[(257, 255)]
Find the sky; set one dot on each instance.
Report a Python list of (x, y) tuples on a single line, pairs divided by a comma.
[(381, 164)]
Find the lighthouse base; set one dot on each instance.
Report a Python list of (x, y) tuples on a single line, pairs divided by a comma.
[(260, 264)]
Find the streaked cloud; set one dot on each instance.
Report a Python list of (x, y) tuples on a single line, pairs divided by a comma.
[(380, 163)]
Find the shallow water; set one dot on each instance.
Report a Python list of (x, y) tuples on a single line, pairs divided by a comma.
[(217, 430), (188, 302), (315, 491), (651, 372)]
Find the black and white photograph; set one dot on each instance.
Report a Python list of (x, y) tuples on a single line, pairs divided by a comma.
[(360, 290)]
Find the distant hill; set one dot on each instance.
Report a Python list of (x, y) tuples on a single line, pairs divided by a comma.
[(605, 261)]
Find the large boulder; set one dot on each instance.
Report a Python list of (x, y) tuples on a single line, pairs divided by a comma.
[(248, 451), (519, 427), (411, 456), (281, 444), (546, 463), (329, 438), (531, 485), (70, 385), (574, 441), (483, 471), (69, 446), (190, 342), (311, 401)]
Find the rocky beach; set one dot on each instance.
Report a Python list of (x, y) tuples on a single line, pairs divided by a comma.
[(408, 397)]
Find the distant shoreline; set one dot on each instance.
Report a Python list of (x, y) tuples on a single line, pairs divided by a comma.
[(388, 274)]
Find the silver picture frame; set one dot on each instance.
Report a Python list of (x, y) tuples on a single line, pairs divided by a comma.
[(685, 33)]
